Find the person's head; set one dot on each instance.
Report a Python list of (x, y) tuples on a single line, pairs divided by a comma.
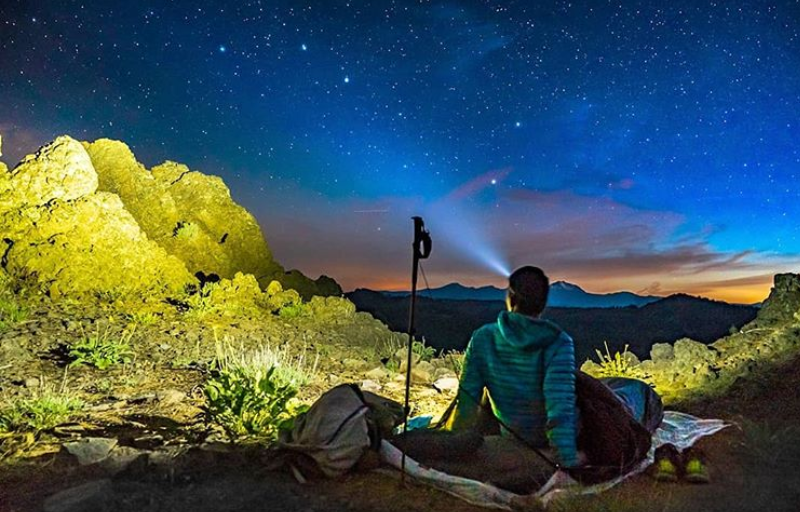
[(527, 291)]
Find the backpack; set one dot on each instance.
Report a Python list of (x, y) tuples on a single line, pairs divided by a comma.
[(339, 429), (612, 439)]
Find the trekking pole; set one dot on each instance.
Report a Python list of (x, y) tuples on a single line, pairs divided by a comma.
[(422, 249)]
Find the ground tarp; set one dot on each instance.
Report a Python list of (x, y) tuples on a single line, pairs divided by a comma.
[(682, 430)]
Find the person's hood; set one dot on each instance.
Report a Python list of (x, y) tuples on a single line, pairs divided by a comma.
[(521, 331)]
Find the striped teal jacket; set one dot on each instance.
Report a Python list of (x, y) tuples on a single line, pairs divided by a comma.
[(528, 367)]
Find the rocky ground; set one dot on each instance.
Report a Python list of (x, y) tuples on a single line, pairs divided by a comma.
[(142, 443)]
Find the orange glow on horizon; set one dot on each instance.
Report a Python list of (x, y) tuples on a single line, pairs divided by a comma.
[(750, 293)]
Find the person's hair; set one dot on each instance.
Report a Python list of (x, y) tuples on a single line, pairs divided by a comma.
[(528, 288)]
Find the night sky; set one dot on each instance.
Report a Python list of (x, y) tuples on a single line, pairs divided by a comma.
[(648, 146)]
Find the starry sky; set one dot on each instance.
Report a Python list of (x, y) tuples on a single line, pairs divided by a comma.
[(648, 146)]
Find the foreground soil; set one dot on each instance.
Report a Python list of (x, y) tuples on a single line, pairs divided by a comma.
[(754, 463)]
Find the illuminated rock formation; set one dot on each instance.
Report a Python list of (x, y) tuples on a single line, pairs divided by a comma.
[(59, 232), (690, 368), (193, 217)]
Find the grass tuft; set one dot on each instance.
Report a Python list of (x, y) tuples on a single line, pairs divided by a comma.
[(102, 349), (251, 393)]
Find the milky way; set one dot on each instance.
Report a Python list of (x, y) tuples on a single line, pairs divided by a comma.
[(620, 145)]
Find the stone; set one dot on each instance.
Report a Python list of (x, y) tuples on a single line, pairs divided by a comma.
[(446, 384), (354, 364), (59, 231), (378, 373), (32, 382), (371, 386), (120, 458), (61, 170), (662, 352), (90, 450), (188, 213), (89, 496), (420, 375), (167, 397)]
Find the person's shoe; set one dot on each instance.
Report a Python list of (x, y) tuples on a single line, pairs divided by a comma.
[(667, 464), (695, 470)]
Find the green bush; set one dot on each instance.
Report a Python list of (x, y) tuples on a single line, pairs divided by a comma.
[(424, 352), (249, 405), (251, 394), (292, 311), (619, 365), (11, 311), (43, 411), (455, 360), (101, 350)]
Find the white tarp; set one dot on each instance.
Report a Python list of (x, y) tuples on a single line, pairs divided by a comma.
[(682, 430)]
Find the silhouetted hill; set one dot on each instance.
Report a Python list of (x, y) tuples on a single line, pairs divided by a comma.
[(562, 294), (448, 324)]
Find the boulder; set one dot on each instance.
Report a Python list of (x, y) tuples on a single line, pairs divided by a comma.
[(90, 450), (193, 216), (190, 214), (61, 234), (782, 305), (60, 170)]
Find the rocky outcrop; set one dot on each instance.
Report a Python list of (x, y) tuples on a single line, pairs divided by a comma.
[(783, 303), (59, 232), (690, 368), (188, 213), (193, 217)]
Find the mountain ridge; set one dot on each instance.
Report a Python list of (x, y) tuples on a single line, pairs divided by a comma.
[(562, 294)]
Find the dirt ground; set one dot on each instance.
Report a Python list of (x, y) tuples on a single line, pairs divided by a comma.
[(755, 465)]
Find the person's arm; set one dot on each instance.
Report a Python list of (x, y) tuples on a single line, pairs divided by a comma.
[(559, 395), (470, 388)]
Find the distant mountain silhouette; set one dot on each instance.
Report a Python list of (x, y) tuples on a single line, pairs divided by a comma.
[(562, 295), (448, 324)]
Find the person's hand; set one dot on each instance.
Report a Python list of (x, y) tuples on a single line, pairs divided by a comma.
[(562, 479)]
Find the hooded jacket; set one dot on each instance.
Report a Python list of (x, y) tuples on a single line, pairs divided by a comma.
[(528, 367)]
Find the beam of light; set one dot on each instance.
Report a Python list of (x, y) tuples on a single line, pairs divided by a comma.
[(460, 227)]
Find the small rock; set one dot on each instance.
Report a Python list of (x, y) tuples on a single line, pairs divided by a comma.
[(88, 496), (90, 450), (370, 385), (120, 458), (377, 373), (32, 382), (148, 442), (446, 384), (170, 396), (354, 364), (420, 375)]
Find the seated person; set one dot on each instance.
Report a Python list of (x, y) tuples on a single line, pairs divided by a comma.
[(527, 365)]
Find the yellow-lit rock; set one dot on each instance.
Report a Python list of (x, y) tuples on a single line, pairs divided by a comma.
[(193, 217), (188, 213), (60, 170), (61, 234)]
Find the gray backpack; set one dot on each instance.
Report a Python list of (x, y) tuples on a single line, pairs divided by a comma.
[(343, 425)]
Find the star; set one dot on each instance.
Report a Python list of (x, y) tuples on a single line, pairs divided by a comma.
[(222, 48), (347, 79), (303, 47)]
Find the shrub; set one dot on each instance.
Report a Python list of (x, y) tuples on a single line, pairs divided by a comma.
[(143, 318), (252, 394), (45, 409), (619, 365), (186, 230), (101, 350), (455, 360), (11, 311), (424, 352)]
